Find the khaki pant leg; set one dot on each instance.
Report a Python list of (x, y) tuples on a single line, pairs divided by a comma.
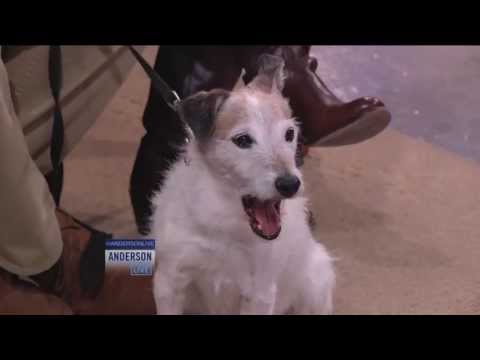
[(30, 239), (91, 77)]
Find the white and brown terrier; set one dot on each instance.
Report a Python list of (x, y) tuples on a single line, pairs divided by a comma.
[(230, 222)]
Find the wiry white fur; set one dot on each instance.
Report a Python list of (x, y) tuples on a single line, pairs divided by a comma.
[(208, 259)]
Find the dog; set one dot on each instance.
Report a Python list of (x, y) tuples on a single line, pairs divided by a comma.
[(231, 230)]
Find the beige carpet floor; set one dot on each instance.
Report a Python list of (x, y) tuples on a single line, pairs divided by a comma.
[(401, 216)]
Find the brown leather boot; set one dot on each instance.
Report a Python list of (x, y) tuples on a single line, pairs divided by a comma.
[(325, 119)]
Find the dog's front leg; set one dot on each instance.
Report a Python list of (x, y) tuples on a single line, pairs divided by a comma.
[(259, 291), (316, 290), (260, 302), (169, 294)]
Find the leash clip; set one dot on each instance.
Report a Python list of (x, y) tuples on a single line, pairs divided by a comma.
[(157, 82), (176, 100)]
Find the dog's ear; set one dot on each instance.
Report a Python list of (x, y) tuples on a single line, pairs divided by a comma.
[(200, 110), (240, 83), (271, 74)]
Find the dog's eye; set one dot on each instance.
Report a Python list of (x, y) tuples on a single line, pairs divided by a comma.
[(243, 141), (290, 135)]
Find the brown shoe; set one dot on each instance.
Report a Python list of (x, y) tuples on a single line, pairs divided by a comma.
[(20, 298), (325, 119)]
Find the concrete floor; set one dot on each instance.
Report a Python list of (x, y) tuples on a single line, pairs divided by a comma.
[(432, 91)]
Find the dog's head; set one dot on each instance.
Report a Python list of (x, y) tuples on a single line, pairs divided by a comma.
[(248, 139)]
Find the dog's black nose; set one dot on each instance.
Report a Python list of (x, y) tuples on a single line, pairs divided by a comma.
[(287, 185)]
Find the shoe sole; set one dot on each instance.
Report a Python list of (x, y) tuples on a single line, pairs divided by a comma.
[(368, 126)]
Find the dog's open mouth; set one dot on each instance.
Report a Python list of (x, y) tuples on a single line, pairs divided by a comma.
[(264, 216)]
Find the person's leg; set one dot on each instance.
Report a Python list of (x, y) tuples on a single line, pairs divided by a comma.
[(32, 248), (30, 239)]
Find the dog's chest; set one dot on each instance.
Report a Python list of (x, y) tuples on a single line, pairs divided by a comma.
[(217, 287), (232, 274)]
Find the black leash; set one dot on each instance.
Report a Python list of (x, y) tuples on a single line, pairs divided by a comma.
[(165, 91), (92, 266), (55, 177)]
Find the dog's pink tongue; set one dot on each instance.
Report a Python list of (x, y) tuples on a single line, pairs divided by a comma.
[(267, 216)]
